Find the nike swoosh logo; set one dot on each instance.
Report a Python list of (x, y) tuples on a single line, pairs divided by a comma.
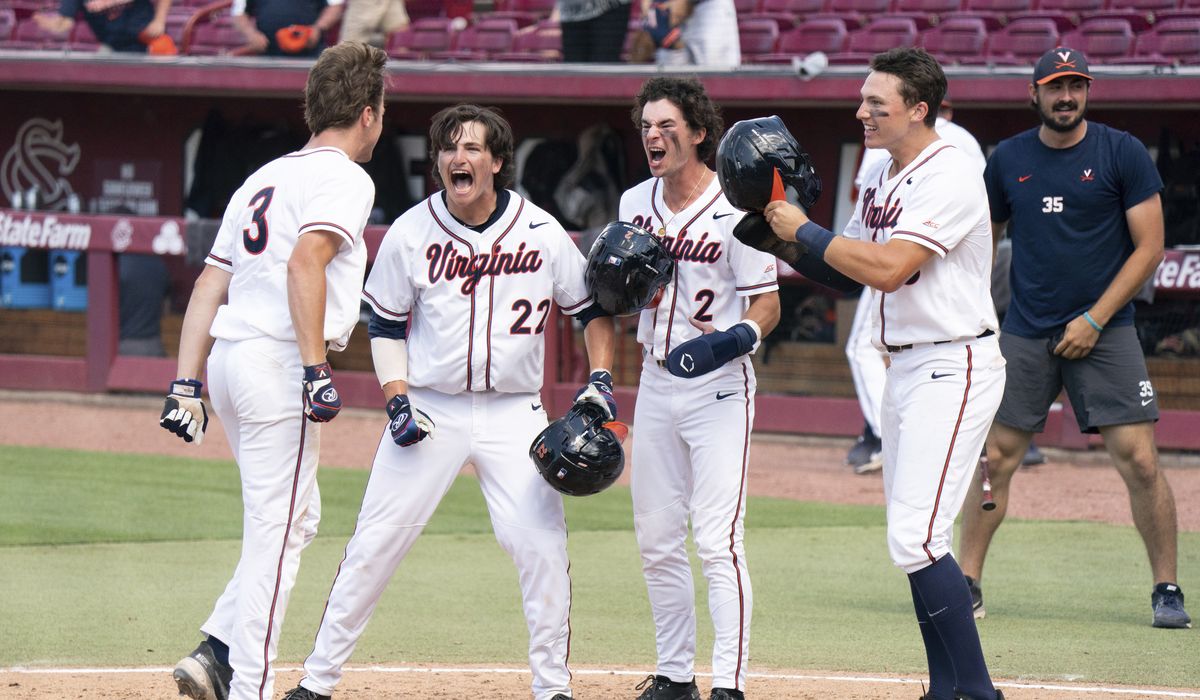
[(724, 394), (533, 225), (935, 375), (537, 406), (722, 216), (1147, 401), (1023, 178)]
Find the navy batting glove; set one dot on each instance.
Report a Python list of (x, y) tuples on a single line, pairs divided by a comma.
[(183, 413), (408, 425), (321, 399), (599, 390), (702, 355)]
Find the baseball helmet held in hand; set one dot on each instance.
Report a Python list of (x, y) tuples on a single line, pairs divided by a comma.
[(627, 268), (580, 454), (757, 158)]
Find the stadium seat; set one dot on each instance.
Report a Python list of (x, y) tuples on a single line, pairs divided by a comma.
[(995, 13), (758, 37), (926, 13), (1173, 41), (827, 35), (28, 35), (541, 43), (789, 13), (83, 39), (215, 39), (24, 9), (1140, 13), (481, 40), (1021, 42), (1188, 9), (879, 35), (422, 37), (8, 22), (1102, 40), (525, 12), (956, 39), (745, 7), (855, 13), (1067, 14)]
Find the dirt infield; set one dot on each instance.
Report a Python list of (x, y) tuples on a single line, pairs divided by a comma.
[(1072, 485)]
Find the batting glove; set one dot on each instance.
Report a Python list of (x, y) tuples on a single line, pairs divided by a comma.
[(184, 413), (659, 26), (408, 425), (599, 390), (702, 355), (321, 399)]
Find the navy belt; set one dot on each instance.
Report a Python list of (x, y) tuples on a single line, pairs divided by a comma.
[(898, 348)]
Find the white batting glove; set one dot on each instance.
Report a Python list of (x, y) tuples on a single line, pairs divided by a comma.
[(184, 413)]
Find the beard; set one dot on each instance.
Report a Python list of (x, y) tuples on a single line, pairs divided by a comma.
[(1054, 123)]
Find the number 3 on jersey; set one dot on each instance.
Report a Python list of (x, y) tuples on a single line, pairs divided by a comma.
[(256, 241)]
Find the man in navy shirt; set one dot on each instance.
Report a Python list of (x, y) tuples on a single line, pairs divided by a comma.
[(1081, 202), (263, 22), (121, 25)]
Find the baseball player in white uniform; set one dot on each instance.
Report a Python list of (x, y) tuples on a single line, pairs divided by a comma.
[(920, 237), (282, 283), (867, 365), (692, 429), (461, 292)]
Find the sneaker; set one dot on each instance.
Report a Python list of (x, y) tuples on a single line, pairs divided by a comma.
[(201, 677), (874, 464), (726, 694), (866, 447), (1167, 603), (663, 688), (1033, 456), (302, 693), (976, 598)]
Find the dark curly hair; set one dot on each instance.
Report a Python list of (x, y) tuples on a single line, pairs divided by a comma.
[(689, 96), (446, 126)]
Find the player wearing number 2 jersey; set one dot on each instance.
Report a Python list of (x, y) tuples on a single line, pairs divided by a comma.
[(282, 283), (461, 293), (695, 405)]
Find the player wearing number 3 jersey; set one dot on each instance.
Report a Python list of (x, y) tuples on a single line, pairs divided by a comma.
[(282, 283), (461, 293)]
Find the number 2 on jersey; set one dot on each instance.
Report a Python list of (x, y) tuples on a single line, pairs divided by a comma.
[(257, 242), (526, 310)]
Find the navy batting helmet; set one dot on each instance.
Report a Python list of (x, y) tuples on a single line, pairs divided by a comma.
[(627, 267), (757, 158), (580, 454)]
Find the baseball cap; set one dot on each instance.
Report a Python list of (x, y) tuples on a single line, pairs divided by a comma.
[(1058, 62)]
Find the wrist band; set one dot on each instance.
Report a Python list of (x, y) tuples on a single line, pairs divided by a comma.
[(1091, 321), (815, 238)]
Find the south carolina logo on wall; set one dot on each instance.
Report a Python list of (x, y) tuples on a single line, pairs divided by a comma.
[(39, 157)]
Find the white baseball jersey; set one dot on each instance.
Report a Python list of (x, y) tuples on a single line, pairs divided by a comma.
[(476, 304), (709, 264), (930, 203), (319, 189)]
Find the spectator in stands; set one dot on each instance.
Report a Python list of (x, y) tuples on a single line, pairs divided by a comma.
[(593, 31), (285, 27), (121, 25), (866, 362), (1082, 201), (371, 21), (144, 283), (704, 38)]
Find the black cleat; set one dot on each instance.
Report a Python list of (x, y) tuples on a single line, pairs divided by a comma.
[(976, 598), (663, 688), (201, 677), (302, 693), (726, 694)]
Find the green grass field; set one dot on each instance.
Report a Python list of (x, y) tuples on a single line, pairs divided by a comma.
[(114, 560)]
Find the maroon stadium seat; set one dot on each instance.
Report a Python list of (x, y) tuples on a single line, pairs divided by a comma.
[(526, 12), (879, 35), (83, 39), (1067, 14), (745, 7), (215, 39), (757, 36), (422, 37), (789, 13), (1022, 42), (479, 41), (28, 35), (926, 13), (8, 22), (995, 13), (24, 9), (1102, 40), (828, 35), (855, 13), (957, 39), (1174, 41), (541, 43)]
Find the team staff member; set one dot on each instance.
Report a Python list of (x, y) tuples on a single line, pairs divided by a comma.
[(282, 283), (461, 292), (920, 238), (692, 440), (1081, 202)]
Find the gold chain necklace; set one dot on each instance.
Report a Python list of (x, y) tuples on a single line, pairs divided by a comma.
[(662, 231)]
